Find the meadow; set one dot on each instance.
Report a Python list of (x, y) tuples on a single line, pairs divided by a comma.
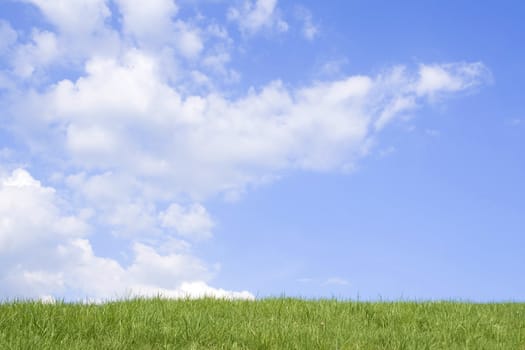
[(278, 323)]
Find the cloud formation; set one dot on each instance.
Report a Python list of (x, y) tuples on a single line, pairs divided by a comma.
[(45, 252), (132, 145)]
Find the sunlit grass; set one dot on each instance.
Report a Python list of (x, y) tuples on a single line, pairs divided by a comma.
[(279, 323)]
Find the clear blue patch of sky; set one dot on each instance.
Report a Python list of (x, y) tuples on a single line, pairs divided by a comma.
[(441, 217)]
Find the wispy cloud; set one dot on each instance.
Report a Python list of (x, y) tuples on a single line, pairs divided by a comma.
[(305, 280), (333, 67), (337, 281), (432, 132), (257, 15), (385, 152), (516, 122), (309, 29)]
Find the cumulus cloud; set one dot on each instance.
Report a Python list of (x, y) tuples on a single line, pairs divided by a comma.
[(30, 214), (65, 14), (208, 144), (69, 40), (45, 251), (138, 17), (148, 21), (40, 52), (188, 40), (134, 150), (193, 222)]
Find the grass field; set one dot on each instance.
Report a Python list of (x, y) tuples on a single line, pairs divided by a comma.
[(279, 323)]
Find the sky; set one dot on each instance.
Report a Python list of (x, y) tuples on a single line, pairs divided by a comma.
[(367, 150)]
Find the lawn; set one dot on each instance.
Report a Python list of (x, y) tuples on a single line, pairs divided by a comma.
[(280, 323)]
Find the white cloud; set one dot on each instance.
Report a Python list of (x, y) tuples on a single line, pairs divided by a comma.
[(217, 61), (188, 39), (42, 51), (30, 214), (91, 140), (149, 144), (337, 281), (71, 40), (148, 20), (46, 254), (192, 290), (132, 219), (255, 16), (8, 36), (66, 14), (201, 145), (166, 271), (129, 143), (442, 78), (333, 67), (138, 17), (120, 204), (309, 29), (103, 188), (394, 108), (192, 222)]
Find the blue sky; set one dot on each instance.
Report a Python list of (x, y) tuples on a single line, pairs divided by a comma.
[(356, 149)]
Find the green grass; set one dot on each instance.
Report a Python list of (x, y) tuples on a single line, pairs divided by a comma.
[(264, 324)]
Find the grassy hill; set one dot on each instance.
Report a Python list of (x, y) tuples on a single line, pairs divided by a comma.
[(280, 323)]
